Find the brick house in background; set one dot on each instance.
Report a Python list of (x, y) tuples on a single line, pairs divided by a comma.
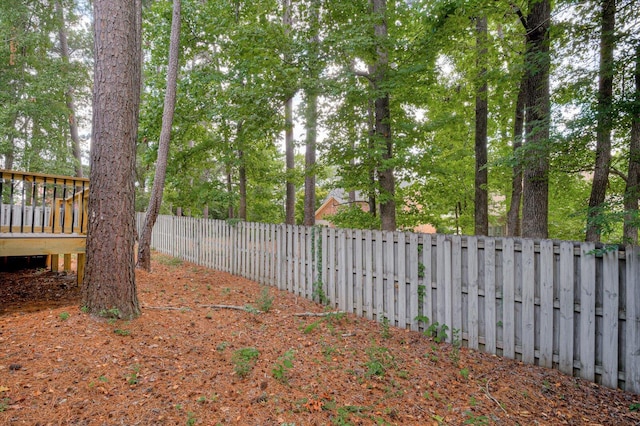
[(333, 202)]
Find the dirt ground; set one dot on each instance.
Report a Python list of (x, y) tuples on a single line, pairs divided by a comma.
[(186, 362)]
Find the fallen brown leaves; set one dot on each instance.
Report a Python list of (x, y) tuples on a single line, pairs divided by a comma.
[(175, 364)]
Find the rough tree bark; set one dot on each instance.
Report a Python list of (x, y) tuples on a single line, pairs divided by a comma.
[(535, 191), (109, 276), (68, 95), (382, 110), (632, 190), (481, 212), (603, 129), (144, 248)]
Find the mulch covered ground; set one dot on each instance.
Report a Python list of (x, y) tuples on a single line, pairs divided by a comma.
[(188, 362)]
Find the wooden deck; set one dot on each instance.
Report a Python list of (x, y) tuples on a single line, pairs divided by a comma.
[(44, 215)]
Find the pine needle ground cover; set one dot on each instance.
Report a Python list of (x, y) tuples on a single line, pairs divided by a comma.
[(204, 353)]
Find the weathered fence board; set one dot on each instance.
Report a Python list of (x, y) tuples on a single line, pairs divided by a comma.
[(573, 306)]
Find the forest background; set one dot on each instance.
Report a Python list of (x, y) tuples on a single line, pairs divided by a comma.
[(467, 115)]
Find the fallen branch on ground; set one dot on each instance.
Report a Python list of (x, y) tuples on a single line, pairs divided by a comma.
[(317, 314), (486, 391), (237, 308), (168, 308)]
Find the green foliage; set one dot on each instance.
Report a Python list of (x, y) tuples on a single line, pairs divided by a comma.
[(64, 316), (380, 360), (353, 217), (264, 301), (243, 360), (437, 332), (385, 330), (280, 370)]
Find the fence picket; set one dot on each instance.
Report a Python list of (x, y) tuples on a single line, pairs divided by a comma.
[(490, 323), (413, 281), (390, 279), (610, 305), (528, 302), (427, 279), (508, 298), (632, 335), (456, 287), (587, 311), (358, 275), (472, 292), (546, 303), (401, 283), (379, 274), (368, 278), (566, 308)]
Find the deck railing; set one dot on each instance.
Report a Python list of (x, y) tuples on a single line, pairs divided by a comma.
[(41, 203), (43, 214)]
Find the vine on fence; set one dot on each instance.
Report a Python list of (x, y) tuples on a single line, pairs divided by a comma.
[(316, 250)]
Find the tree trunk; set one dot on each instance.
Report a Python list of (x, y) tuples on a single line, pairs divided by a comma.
[(144, 248), (513, 215), (604, 114), (110, 287), (242, 187), (535, 191), (290, 201), (371, 116), (311, 119), (632, 190), (383, 119), (230, 212), (481, 214), (68, 95)]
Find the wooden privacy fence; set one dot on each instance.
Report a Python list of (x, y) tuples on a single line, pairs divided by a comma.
[(558, 304)]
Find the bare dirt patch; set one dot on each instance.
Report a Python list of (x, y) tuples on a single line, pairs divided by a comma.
[(184, 362)]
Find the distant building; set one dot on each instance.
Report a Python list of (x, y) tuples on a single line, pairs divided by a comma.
[(336, 199)]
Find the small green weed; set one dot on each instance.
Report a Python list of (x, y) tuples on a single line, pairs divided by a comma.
[(121, 332), (191, 419), (264, 300), (169, 261), (475, 420), (244, 359), (64, 316), (380, 360), (437, 332), (385, 329), (222, 346), (84, 309), (465, 373), (113, 313), (309, 328), (132, 378), (635, 406), (4, 404), (281, 370)]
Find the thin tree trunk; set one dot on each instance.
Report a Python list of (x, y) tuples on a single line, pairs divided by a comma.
[(144, 249), (68, 95), (481, 214), (513, 215), (603, 131), (632, 190), (290, 201), (535, 191), (231, 212), (312, 119), (242, 187), (383, 137), (371, 117), (109, 276)]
